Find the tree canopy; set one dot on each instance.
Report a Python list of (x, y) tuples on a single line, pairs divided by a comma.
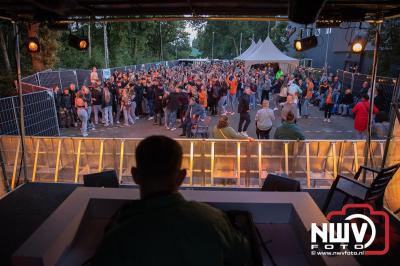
[(227, 35)]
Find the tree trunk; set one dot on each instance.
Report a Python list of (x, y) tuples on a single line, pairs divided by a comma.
[(37, 60), (4, 52)]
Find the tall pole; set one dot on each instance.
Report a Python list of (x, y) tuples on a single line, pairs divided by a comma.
[(106, 55), (212, 47), (90, 41), (371, 101), (240, 43), (161, 45), (393, 117), (329, 30), (176, 49), (21, 102)]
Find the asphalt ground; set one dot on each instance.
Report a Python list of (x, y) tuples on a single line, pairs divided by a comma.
[(313, 127)]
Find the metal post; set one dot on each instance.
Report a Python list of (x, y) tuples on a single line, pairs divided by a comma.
[(59, 79), (161, 44), (55, 114), (191, 163), (90, 41), (212, 47), (326, 52), (57, 161), (308, 165), (78, 158), (6, 183), (352, 81), (240, 43), (21, 102), (393, 118), (260, 172), (35, 160), (76, 79), (238, 163), (38, 78), (121, 161), (106, 55), (371, 101), (176, 50), (286, 158), (212, 163)]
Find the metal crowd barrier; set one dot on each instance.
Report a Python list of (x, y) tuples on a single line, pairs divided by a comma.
[(63, 77), (210, 162), (40, 116), (354, 81)]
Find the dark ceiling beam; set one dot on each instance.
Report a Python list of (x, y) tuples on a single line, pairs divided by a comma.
[(59, 7), (62, 9), (175, 18), (393, 14)]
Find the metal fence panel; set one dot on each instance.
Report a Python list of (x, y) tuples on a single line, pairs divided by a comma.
[(82, 77), (359, 79), (67, 77), (8, 118), (32, 79), (40, 117), (49, 79), (315, 163), (347, 80)]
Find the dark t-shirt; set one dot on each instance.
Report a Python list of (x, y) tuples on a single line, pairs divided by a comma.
[(168, 230), (244, 103)]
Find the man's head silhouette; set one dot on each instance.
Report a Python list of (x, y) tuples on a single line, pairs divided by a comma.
[(158, 166)]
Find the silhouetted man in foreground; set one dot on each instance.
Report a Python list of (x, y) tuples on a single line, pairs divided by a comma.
[(163, 228)]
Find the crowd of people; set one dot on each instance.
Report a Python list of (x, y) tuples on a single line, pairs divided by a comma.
[(190, 93)]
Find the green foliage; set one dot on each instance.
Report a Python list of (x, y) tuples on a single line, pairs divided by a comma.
[(389, 53), (227, 36), (129, 43), (49, 46), (278, 36), (7, 87)]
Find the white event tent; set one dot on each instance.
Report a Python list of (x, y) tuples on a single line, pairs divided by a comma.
[(267, 52), (249, 50)]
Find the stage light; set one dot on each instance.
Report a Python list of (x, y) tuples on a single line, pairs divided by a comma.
[(358, 45), (33, 45), (305, 43), (78, 42), (83, 44), (297, 45)]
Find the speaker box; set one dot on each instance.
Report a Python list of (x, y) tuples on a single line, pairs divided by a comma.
[(101, 179), (280, 183)]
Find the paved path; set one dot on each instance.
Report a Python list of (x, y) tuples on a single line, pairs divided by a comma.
[(313, 127)]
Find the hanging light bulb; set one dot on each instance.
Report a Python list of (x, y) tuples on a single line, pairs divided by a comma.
[(33, 45), (78, 42), (358, 45)]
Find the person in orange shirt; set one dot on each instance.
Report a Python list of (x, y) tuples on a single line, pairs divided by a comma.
[(307, 97), (232, 82), (203, 97), (328, 100)]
